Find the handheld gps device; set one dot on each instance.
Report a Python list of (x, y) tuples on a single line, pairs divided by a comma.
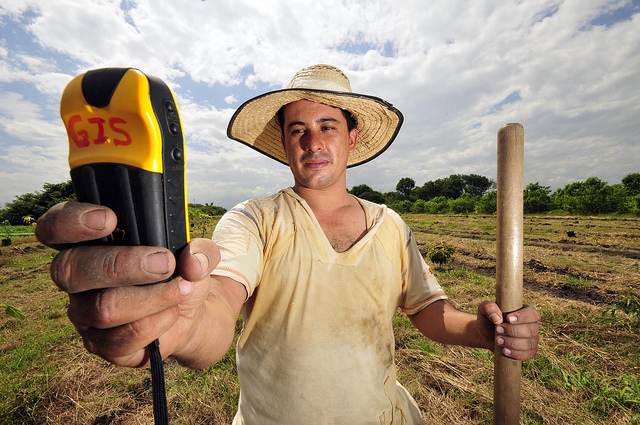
[(126, 152)]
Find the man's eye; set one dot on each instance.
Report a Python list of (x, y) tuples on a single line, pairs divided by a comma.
[(297, 131)]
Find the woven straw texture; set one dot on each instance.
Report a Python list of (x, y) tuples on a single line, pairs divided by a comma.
[(255, 124)]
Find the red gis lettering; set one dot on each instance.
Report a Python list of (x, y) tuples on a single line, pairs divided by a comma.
[(112, 124), (81, 137), (100, 139), (83, 141)]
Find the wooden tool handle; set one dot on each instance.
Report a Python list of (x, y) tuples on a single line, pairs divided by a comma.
[(509, 265)]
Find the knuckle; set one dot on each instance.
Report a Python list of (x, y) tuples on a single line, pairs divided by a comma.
[(136, 329), (511, 343), (105, 308), (534, 344), (45, 226), (109, 265), (98, 309), (61, 267), (510, 330), (535, 330), (80, 269)]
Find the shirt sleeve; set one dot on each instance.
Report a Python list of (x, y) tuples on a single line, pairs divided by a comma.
[(422, 287), (239, 238)]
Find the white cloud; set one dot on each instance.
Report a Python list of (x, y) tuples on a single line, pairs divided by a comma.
[(445, 64), (23, 121)]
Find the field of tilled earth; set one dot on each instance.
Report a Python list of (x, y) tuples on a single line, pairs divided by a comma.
[(579, 272)]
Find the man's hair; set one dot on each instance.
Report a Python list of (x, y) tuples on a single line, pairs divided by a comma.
[(351, 120)]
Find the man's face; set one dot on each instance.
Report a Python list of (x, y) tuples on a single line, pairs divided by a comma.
[(317, 143)]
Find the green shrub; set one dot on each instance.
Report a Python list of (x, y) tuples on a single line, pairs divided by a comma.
[(462, 205), (488, 204), (440, 254)]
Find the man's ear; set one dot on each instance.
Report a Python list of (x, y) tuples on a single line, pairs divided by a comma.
[(353, 140)]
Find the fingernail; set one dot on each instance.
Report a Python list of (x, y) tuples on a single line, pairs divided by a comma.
[(506, 351), (500, 330), (157, 263), (494, 317), (185, 286), (203, 260), (94, 219), (513, 319), (500, 341)]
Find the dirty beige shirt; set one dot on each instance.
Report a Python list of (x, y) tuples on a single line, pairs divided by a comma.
[(317, 345)]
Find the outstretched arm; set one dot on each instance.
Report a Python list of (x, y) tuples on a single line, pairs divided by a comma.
[(114, 308), (518, 335)]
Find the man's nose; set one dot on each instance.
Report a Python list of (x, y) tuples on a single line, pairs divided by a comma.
[(312, 142)]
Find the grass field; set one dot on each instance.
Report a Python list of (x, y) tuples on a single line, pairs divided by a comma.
[(587, 372)]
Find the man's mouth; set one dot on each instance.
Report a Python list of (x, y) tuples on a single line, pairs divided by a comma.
[(316, 164), (317, 161)]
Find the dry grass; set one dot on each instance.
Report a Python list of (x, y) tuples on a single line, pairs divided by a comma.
[(587, 368), (586, 371)]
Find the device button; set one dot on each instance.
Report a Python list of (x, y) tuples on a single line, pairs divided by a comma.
[(177, 154)]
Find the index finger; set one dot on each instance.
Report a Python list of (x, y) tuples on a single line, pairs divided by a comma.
[(93, 267), (73, 222)]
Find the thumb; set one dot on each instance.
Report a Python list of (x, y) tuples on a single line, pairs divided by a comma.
[(198, 259), (490, 310)]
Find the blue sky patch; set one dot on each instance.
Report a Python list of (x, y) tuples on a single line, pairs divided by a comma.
[(547, 13), (621, 14), (218, 94), (513, 97), (359, 47)]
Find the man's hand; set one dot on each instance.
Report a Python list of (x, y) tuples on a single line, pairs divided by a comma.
[(114, 300), (518, 335)]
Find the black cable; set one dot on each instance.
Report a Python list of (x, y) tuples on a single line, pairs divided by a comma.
[(160, 411)]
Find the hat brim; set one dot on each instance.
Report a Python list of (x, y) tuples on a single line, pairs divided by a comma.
[(254, 122)]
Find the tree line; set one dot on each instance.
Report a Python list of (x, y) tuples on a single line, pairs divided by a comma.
[(456, 194), (36, 203), (471, 193)]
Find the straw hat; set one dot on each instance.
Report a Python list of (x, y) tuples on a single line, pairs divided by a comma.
[(255, 123)]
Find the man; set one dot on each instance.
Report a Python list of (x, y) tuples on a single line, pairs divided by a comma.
[(317, 273)]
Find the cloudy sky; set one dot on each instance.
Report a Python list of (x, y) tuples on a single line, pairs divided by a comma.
[(568, 70)]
